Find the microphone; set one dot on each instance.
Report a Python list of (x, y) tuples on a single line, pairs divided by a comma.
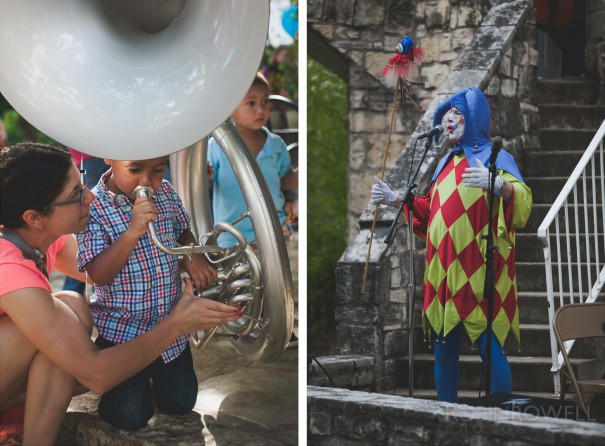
[(496, 146), (438, 130)]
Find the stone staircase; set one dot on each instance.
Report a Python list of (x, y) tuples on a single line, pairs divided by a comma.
[(569, 120)]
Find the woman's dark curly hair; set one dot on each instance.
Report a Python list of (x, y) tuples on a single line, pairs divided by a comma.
[(32, 175)]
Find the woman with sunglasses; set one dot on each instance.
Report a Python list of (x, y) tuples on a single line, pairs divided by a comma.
[(45, 346)]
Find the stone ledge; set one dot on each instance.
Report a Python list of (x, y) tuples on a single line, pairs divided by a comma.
[(239, 402), (351, 371), (81, 428), (352, 417)]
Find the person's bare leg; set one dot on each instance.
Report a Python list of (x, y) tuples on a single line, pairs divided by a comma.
[(79, 305), (49, 388), (49, 392), (17, 354)]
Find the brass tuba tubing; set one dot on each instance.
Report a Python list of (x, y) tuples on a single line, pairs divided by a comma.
[(277, 304), (189, 250)]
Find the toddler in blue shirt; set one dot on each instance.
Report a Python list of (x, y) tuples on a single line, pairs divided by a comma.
[(271, 155)]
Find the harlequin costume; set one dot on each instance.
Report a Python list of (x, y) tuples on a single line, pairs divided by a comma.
[(453, 219)]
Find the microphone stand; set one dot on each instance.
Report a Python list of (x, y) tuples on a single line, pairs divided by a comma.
[(408, 197), (489, 284)]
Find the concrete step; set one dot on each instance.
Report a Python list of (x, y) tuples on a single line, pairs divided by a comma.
[(531, 276), (550, 163), (533, 306), (533, 309), (547, 189), (560, 91), (344, 417), (530, 373), (555, 116), (539, 211), (529, 247), (535, 341), (565, 139)]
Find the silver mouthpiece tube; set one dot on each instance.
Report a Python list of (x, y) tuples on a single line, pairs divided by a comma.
[(146, 191)]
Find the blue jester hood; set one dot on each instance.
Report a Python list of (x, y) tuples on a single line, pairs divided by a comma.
[(475, 142)]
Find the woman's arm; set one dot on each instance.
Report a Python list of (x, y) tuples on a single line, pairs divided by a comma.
[(55, 330), (66, 259)]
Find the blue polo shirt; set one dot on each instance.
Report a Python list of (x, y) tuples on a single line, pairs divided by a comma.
[(228, 201)]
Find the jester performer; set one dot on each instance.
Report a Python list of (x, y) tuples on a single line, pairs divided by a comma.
[(453, 219)]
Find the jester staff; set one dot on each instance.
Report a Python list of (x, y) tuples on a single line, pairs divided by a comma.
[(403, 63), (395, 73)]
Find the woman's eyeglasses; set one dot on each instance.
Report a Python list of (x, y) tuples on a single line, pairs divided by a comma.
[(80, 198)]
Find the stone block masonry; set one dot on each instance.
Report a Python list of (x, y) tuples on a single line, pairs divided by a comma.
[(344, 417)]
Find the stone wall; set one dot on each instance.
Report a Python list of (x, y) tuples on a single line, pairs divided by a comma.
[(365, 33), (500, 58), (594, 54), (338, 416)]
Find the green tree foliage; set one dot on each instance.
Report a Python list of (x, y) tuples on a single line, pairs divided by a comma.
[(327, 155), (280, 67), (17, 128)]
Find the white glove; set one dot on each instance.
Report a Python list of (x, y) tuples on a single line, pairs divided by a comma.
[(382, 194), (479, 177)]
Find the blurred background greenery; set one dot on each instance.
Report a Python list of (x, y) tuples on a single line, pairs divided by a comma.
[(327, 165), (17, 128)]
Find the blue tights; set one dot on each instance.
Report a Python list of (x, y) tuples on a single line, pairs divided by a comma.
[(447, 370)]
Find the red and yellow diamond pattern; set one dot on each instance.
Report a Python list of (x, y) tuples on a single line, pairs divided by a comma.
[(453, 218)]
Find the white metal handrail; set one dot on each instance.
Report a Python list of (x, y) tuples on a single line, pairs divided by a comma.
[(573, 261)]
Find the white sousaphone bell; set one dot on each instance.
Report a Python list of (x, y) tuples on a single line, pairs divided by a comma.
[(138, 79)]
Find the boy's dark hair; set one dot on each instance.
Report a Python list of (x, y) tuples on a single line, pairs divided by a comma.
[(32, 175)]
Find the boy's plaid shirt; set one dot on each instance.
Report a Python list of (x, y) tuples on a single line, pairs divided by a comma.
[(149, 285)]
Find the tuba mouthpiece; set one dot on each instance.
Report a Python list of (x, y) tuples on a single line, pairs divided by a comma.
[(142, 191)]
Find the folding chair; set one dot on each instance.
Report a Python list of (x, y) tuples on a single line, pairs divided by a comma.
[(577, 321)]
